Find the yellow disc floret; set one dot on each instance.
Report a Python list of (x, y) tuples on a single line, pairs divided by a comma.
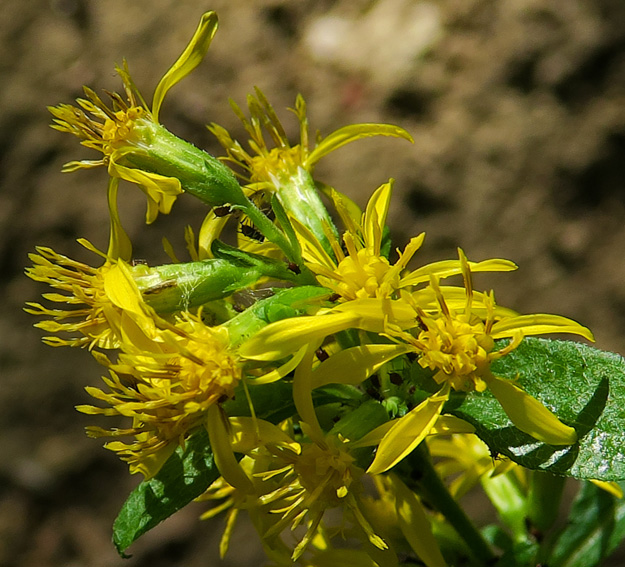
[(166, 384), (87, 321)]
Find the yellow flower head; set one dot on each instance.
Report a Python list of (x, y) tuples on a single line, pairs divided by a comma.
[(358, 269), (268, 162), (166, 384), (127, 132), (305, 484), (457, 344), (92, 294)]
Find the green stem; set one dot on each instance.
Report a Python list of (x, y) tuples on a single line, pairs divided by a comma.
[(268, 229), (423, 478), (545, 495)]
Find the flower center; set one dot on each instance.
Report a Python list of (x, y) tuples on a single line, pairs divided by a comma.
[(281, 160), (329, 468), (363, 276), (119, 131), (458, 350), (206, 369)]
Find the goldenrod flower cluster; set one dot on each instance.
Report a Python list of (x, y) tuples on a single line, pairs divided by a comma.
[(299, 300)]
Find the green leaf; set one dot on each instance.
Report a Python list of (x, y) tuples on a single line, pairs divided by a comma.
[(596, 527), (583, 386), (185, 475), (523, 554)]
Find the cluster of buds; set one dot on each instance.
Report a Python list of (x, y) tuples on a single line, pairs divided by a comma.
[(310, 297)]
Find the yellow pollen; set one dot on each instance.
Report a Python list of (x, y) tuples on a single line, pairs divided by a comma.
[(204, 367), (458, 350), (279, 160), (363, 276), (120, 129), (330, 467)]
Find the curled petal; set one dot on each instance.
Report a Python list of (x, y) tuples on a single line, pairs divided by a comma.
[(160, 190), (539, 324), (529, 415), (349, 134), (188, 60)]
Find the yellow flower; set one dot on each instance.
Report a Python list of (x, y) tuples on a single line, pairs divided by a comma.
[(266, 165), (466, 460), (457, 344), (359, 269), (134, 146), (286, 170), (452, 331), (320, 477), (98, 297), (298, 482), (166, 384)]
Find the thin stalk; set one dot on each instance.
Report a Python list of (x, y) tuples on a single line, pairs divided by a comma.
[(545, 495)]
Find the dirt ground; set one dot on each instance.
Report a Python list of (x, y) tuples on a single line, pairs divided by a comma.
[(518, 115)]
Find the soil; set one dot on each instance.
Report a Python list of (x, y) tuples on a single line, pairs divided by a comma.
[(518, 115)]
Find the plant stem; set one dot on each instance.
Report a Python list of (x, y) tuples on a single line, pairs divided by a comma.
[(544, 500), (423, 478)]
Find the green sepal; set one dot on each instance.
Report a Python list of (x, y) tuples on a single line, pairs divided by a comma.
[(184, 476), (596, 526), (256, 265), (175, 287), (584, 387), (356, 423), (201, 175), (285, 303), (299, 197)]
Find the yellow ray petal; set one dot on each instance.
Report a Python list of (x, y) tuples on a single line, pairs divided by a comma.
[(356, 364), (414, 524), (539, 324), (283, 338), (281, 371), (447, 268), (122, 290), (611, 487), (188, 60), (119, 243), (351, 133), (529, 415), (248, 433), (375, 215), (225, 460), (408, 432)]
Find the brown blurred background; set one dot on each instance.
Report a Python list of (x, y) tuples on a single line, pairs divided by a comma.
[(518, 113)]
